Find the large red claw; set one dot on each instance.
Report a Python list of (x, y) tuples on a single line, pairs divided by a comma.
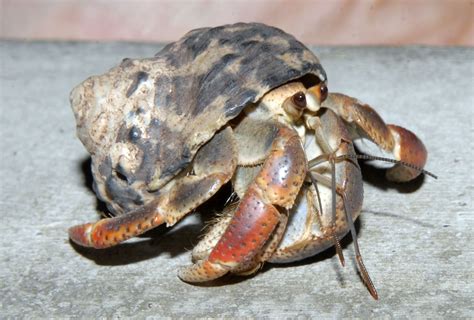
[(257, 216)]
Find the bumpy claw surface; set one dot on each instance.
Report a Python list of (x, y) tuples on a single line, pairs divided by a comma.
[(257, 216)]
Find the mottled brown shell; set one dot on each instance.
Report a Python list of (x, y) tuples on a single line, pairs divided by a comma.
[(144, 120)]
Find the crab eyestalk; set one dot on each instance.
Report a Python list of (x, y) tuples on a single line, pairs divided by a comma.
[(316, 95)]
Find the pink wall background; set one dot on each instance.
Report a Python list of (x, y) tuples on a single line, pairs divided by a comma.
[(336, 22)]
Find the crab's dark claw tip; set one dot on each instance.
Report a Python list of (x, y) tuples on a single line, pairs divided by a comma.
[(341, 260), (374, 293), (339, 252), (80, 234), (432, 175)]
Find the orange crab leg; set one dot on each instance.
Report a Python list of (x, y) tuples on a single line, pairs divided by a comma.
[(404, 144), (213, 166), (257, 216), (111, 231)]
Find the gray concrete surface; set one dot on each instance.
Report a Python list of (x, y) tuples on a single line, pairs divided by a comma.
[(416, 239)]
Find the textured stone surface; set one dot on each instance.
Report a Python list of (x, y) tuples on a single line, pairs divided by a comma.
[(416, 239)]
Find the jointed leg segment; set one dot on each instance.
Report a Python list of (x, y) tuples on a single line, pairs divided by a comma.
[(365, 122), (213, 166)]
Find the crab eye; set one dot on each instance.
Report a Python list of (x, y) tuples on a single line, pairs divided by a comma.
[(299, 99), (324, 92)]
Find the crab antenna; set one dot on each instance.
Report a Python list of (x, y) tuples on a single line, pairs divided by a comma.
[(333, 188), (365, 275), (370, 157), (337, 244), (333, 204)]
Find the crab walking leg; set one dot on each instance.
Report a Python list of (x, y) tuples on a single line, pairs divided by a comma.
[(404, 144), (318, 215), (213, 166), (257, 216), (322, 130), (349, 227), (333, 138), (111, 231), (322, 201)]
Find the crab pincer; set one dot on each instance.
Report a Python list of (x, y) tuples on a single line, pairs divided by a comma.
[(259, 212)]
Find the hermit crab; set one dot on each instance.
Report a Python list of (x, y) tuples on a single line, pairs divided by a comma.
[(245, 104)]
